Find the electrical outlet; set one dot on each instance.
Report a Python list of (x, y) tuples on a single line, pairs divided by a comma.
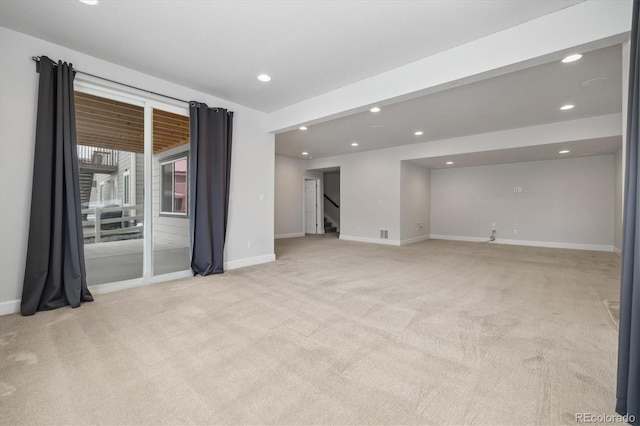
[(250, 244), (493, 226), (515, 226), (515, 230)]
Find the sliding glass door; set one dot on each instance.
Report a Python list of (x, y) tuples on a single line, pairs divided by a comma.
[(133, 162), (170, 166), (111, 165)]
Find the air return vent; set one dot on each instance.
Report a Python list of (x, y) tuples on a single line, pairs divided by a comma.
[(384, 233)]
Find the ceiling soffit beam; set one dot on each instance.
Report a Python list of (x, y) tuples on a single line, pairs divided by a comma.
[(592, 25), (603, 126)]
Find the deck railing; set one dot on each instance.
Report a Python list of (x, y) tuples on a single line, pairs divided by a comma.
[(94, 156), (114, 223)]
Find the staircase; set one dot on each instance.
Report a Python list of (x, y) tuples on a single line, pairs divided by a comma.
[(86, 183), (328, 226), (92, 160)]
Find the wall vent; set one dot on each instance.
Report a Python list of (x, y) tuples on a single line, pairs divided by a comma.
[(384, 233)]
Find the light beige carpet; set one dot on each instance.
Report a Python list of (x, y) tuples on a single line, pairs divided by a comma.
[(333, 332)]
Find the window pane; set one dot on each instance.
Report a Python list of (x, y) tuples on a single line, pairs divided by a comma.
[(180, 186), (167, 188), (111, 169), (127, 190), (171, 251)]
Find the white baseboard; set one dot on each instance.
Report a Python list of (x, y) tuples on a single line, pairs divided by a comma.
[(370, 240), (548, 244), (249, 261), (551, 244), (617, 251), (294, 235), (414, 240), (10, 307), (457, 238), (13, 306)]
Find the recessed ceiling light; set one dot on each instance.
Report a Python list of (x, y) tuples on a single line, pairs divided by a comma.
[(375, 109), (418, 133), (449, 163), (572, 58), (567, 107), (354, 143), (303, 128), (264, 77), (305, 153), (564, 151), (89, 2)]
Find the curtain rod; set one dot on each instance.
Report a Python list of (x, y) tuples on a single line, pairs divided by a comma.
[(37, 59)]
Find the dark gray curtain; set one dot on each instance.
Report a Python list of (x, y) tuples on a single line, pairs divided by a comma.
[(209, 173), (55, 271), (628, 393)]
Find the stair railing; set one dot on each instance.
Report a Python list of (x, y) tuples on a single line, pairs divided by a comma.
[(331, 201)]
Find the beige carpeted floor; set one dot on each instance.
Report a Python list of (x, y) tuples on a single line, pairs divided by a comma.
[(333, 332)]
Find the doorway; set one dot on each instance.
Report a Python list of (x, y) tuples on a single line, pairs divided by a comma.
[(331, 194), (311, 191), (133, 163)]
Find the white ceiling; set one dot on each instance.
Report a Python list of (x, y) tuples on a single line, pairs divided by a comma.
[(308, 47), (520, 99), (589, 147)]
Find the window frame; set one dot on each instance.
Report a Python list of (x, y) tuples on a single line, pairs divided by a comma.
[(172, 160), (126, 188)]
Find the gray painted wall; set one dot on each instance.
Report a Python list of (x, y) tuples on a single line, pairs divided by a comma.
[(414, 202), (564, 201)]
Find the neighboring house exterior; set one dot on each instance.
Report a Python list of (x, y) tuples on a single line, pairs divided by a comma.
[(116, 179), (171, 225)]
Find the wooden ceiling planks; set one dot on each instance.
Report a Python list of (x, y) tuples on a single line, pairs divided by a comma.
[(169, 130), (110, 124)]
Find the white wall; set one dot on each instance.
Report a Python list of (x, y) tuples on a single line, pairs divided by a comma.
[(252, 169), (369, 194), (619, 202), (288, 197), (415, 202), (621, 158), (332, 190), (568, 202), (290, 174), (370, 180)]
